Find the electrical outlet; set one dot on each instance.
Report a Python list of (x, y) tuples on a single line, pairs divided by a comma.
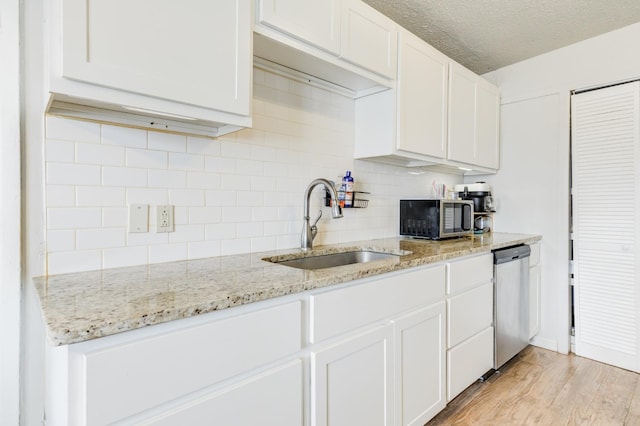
[(138, 218), (164, 219)]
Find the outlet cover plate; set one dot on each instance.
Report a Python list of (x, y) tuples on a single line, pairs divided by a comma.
[(138, 218), (164, 218)]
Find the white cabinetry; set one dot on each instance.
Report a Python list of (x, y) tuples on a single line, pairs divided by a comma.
[(186, 64), (419, 350), (474, 108), (534, 290), (407, 125), (344, 42), (469, 321), (181, 373), (314, 22), (372, 329)]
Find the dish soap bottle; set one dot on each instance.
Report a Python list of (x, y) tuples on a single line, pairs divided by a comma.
[(347, 182)]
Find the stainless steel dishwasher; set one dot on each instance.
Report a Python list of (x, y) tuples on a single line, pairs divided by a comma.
[(511, 302)]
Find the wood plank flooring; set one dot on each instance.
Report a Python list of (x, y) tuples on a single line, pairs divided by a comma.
[(541, 387)]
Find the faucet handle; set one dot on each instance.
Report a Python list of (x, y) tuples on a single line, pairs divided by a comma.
[(314, 228)]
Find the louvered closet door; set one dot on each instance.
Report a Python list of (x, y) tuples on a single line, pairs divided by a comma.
[(606, 222)]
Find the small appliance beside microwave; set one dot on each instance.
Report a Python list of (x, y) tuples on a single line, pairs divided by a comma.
[(436, 219)]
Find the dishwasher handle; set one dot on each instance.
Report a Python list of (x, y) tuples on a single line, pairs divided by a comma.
[(511, 254)]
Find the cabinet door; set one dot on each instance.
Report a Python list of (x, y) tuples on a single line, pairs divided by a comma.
[(487, 125), (271, 398), (422, 97), (469, 313), (462, 112), (195, 52), (312, 21), (369, 39), (468, 361), (419, 349), (534, 300), (352, 381)]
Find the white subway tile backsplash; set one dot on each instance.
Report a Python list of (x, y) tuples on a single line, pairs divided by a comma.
[(72, 130), (125, 256), (96, 196), (219, 231), (204, 215), (146, 159), (60, 151), (124, 177), (203, 146), (74, 261), (186, 197), (167, 252), (64, 240), (179, 161), (167, 179), (73, 218), (241, 192), (87, 239), (99, 154), (72, 174), (124, 136), (167, 142), (61, 196)]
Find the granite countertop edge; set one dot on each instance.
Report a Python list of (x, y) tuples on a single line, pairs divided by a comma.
[(87, 305)]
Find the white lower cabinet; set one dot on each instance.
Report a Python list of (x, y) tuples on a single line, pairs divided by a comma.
[(534, 290), (352, 379), (470, 334), (272, 398), (419, 349)]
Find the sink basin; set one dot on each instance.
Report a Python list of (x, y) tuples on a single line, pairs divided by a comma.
[(334, 259)]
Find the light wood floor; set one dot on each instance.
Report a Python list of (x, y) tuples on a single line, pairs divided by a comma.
[(541, 387)]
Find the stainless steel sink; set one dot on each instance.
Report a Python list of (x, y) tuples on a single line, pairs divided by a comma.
[(334, 259)]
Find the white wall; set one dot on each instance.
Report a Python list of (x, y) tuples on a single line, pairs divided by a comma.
[(10, 288), (239, 193), (532, 186)]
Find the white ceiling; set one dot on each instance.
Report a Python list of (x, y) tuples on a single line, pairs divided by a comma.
[(485, 35)]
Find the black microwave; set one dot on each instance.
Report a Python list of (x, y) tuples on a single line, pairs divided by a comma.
[(436, 219)]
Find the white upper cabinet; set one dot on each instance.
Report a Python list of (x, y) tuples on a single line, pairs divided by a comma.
[(368, 38), (474, 106), (315, 22), (421, 98), (344, 43), (190, 61)]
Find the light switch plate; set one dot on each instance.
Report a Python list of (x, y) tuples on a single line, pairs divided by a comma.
[(138, 218)]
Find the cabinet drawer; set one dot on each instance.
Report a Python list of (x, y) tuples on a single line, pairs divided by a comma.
[(125, 379), (468, 273), (337, 311), (468, 361), (468, 313), (534, 259)]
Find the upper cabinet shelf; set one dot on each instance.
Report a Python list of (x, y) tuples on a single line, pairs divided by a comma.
[(343, 42), (183, 66)]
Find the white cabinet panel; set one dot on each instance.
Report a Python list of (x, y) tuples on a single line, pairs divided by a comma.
[(312, 21), (468, 361), (469, 272), (119, 381), (534, 300), (273, 398), (334, 312), (369, 38), (196, 52), (422, 97), (352, 381), (419, 348), (469, 313), (474, 106)]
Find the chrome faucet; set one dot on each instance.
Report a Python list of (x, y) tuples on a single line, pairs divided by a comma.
[(309, 231)]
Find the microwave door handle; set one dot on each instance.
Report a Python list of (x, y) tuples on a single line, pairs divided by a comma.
[(469, 209)]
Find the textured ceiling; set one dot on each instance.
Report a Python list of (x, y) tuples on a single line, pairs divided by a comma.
[(485, 35)]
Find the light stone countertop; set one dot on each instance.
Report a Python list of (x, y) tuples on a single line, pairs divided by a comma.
[(87, 305)]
